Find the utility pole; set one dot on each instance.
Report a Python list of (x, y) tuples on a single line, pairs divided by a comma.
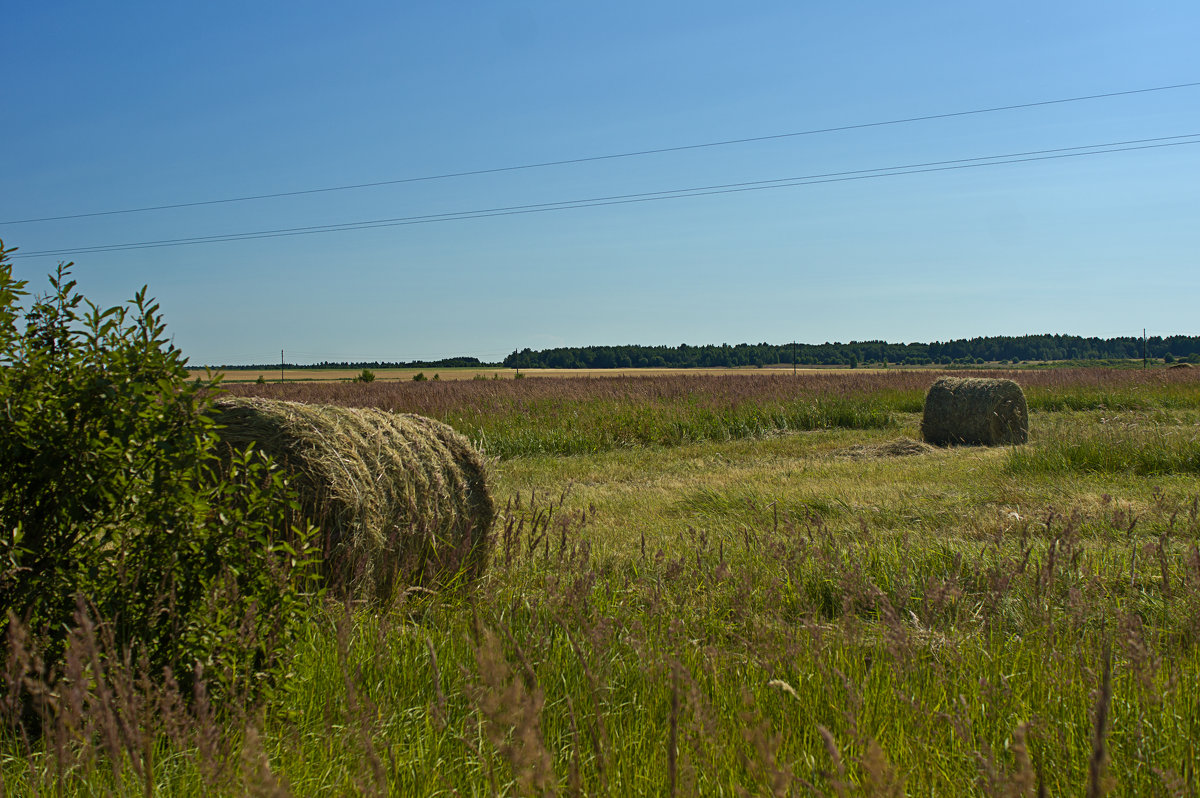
[(793, 358), (1145, 360), (281, 364)]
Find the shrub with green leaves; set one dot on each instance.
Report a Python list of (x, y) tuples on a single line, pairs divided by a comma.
[(116, 501)]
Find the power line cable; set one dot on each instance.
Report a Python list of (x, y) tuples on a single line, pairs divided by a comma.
[(650, 196), (610, 156)]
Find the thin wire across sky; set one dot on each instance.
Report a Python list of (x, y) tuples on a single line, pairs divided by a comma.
[(612, 156), (637, 197), (651, 196)]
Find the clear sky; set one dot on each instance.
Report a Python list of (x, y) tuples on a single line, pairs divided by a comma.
[(111, 106)]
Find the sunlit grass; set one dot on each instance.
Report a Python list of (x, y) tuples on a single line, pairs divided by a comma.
[(571, 416), (760, 613), (1115, 444)]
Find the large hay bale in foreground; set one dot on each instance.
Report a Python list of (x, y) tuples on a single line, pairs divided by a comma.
[(398, 498), (989, 412)]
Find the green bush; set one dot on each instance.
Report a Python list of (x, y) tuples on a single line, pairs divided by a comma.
[(366, 375), (116, 501)]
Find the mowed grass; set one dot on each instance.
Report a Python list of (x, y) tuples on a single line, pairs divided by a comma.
[(766, 611)]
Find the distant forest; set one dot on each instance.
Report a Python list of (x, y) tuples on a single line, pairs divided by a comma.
[(964, 351), (445, 363)]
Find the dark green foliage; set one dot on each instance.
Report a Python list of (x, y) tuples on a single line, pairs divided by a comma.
[(113, 500), (964, 351), (365, 376)]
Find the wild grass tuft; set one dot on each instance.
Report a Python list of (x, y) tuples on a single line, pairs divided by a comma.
[(1115, 445)]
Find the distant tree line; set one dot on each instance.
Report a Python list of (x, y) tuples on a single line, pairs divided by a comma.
[(1013, 349), (445, 363)]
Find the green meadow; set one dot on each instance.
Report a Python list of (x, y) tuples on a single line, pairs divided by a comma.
[(732, 586)]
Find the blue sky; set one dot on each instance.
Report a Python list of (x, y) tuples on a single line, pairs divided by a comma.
[(127, 105)]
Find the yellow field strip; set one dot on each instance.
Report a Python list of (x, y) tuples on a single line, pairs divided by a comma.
[(397, 375)]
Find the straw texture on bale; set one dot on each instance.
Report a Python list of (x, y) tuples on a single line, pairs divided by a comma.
[(987, 412), (398, 498)]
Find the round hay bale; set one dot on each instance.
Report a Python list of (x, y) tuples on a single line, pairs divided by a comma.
[(398, 498), (987, 412)]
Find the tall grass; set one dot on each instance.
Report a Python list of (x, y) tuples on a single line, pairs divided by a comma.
[(578, 415), (587, 415), (792, 658), (1126, 444), (725, 647)]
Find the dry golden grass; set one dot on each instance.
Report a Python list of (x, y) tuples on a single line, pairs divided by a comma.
[(346, 375), (406, 374)]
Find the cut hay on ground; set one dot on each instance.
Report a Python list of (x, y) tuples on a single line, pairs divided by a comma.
[(987, 412), (901, 447), (399, 498)]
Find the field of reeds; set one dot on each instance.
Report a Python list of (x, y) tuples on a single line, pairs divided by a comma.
[(729, 585)]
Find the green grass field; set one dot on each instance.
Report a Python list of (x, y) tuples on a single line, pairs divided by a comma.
[(734, 586)]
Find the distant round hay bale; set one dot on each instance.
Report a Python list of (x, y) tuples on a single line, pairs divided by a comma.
[(987, 412), (398, 498)]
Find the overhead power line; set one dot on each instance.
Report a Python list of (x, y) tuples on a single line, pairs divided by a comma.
[(610, 156), (649, 196)]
